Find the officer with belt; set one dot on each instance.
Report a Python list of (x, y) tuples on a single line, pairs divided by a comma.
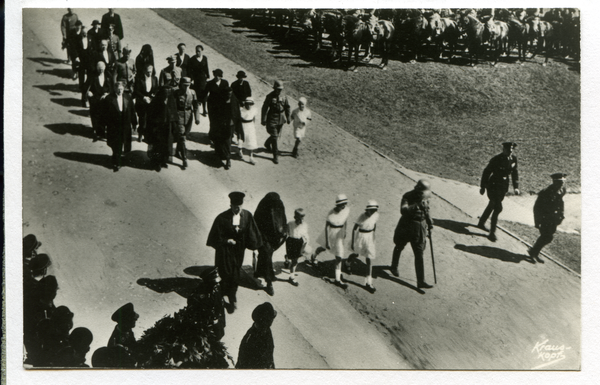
[(548, 213), (187, 102), (275, 112), (495, 181), (413, 227)]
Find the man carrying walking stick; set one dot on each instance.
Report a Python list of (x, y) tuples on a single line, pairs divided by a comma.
[(414, 226)]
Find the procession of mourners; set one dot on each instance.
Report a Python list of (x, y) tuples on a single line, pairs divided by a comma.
[(129, 96)]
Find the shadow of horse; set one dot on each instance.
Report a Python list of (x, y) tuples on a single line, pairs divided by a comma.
[(457, 227), (95, 159), (44, 60), (64, 73), (495, 253), (54, 89), (67, 102), (74, 129)]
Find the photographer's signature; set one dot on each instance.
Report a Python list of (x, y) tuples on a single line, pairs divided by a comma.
[(548, 353)]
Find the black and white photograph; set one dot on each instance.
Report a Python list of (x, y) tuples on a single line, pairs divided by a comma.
[(387, 191)]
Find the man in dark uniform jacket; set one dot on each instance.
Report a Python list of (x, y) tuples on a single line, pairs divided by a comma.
[(548, 213), (257, 346), (413, 227), (112, 18), (67, 24), (78, 55), (187, 110), (120, 121), (495, 181), (232, 232), (275, 112), (122, 335)]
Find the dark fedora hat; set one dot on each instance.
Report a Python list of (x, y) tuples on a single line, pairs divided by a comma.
[(240, 75), (30, 243), (40, 262)]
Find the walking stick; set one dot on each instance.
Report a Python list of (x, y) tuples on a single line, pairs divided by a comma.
[(432, 259)]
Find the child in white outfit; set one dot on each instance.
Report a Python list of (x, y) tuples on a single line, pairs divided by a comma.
[(301, 116)]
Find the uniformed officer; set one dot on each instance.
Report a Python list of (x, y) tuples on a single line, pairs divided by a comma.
[(413, 228), (548, 213), (187, 102), (275, 112), (495, 181)]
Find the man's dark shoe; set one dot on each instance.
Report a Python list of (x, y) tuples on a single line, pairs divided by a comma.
[(394, 271), (482, 227), (184, 165), (424, 285), (270, 291), (492, 237), (370, 288)]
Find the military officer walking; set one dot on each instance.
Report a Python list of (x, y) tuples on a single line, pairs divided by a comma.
[(275, 112), (548, 213), (187, 103), (413, 228), (495, 181)]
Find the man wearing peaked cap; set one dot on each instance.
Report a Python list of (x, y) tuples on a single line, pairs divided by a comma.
[(233, 231), (125, 70), (188, 112), (548, 213), (170, 75), (413, 228), (333, 237), (495, 181), (275, 112), (122, 335)]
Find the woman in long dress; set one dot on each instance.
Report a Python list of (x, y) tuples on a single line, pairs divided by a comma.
[(248, 117), (272, 223), (363, 240)]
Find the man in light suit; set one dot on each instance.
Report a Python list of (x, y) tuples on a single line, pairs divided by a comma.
[(120, 121)]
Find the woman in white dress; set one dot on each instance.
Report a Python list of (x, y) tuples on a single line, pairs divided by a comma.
[(334, 235), (363, 240), (248, 116)]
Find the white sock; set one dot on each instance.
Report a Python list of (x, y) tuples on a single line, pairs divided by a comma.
[(338, 274)]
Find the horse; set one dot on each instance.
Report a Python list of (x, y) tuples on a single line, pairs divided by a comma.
[(332, 24), (383, 35), (474, 29), (546, 35), (414, 29), (443, 30), (518, 35), (498, 35), (356, 33)]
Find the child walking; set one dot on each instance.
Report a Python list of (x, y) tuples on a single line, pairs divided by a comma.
[(301, 117), (296, 245), (363, 240)]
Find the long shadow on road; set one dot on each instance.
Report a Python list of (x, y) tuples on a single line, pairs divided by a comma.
[(64, 73), (495, 253), (67, 102), (45, 60), (74, 129), (456, 227), (95, 159), (180, 285)]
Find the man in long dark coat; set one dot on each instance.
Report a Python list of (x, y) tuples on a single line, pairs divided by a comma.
[(495, 181), (413, 228), (232, 232), (548, 213), (112, 18), (120, 121), (257, 346)]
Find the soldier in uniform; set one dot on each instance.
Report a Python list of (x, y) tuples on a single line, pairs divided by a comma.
[(125, 70), (114, 43), (495, 181), (413, 227), (67, 24), (187, 104), (275, 112), (122, 335), (170, 75), (548, 213), (113, 18)]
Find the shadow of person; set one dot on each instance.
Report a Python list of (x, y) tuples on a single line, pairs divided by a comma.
[(199, 137), (45, 60), (95, 159), (54, 89), (456, 227), (382, 272), (137, 159), (64, 73), (183, 286), (83, 113), (67, 102), (74, 129), (495, 253), (207, 158)]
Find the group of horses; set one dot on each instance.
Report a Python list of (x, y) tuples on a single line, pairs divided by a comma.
[(418, 34)]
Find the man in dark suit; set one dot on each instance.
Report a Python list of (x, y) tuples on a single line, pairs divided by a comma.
[(112, 18), (94, 36), (182, 59), (120, 121), (548, 213), (98, 87), (105, 56), (216, 101), (495, 181), (197, 70), (67, 24), (145, 90), (232, 232), (78, 54)]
